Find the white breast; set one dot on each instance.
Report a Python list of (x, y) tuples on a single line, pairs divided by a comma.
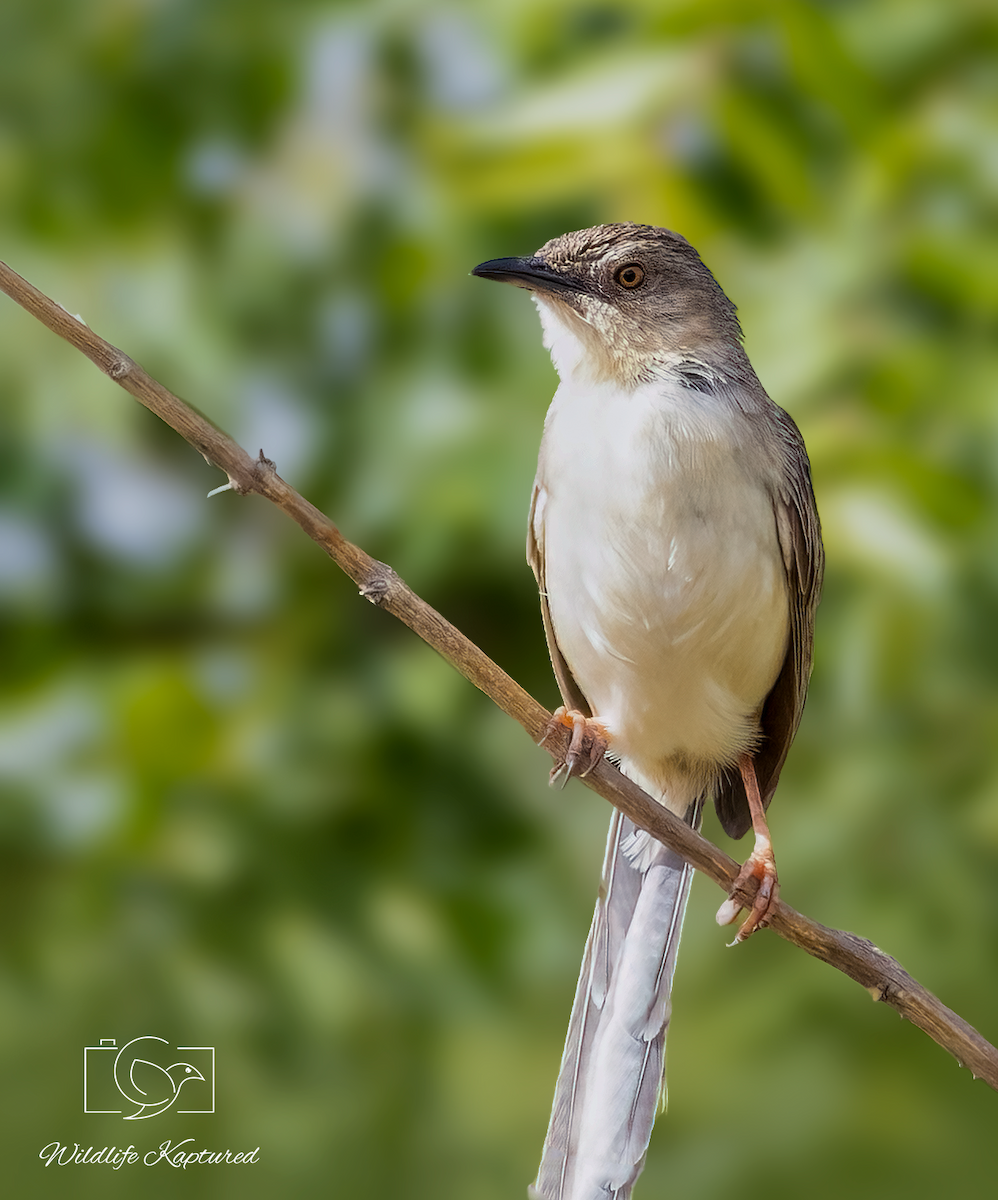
[(664, 574)]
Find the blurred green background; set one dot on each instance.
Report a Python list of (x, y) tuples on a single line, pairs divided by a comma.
[(243, 808)]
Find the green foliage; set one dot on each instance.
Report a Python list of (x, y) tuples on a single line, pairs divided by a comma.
[(240, 807)]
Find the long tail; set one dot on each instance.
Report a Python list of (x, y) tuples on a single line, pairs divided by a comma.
[(611, 1071)]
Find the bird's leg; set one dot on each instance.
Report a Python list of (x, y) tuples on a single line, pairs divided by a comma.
[(760, 864), (587, 746)]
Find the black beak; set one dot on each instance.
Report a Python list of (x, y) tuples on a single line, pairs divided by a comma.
[(533, 273)]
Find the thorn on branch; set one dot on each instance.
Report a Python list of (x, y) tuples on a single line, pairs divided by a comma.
[(118, 366), (75, 316), (378, 584), (264, 470)]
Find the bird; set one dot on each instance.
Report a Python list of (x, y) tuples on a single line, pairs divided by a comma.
[(146, 1084), (676, 544)]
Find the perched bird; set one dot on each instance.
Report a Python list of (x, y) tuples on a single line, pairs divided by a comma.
[(677, 549), (146, 1084)]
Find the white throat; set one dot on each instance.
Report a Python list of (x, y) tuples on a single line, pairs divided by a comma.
[(568, 351)]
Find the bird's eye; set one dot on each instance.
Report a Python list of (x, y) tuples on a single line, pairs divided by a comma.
[(630, 276)]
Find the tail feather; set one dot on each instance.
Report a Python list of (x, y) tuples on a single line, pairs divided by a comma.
[(611, 1070)]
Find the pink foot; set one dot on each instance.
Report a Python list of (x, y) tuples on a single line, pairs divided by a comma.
[(760, 865), (588, 744)]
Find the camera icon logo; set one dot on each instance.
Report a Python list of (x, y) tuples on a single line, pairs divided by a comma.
[(145, 1078)]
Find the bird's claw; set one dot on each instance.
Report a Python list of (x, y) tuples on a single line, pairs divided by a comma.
[(586, 748), (761, 866)]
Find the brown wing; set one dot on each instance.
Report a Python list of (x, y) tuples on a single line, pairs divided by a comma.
[(571, 696), (799, 532)]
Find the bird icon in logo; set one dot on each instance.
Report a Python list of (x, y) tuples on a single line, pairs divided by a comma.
[(144, 1083)]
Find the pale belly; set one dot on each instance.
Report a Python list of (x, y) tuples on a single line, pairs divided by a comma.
[(667, 593)]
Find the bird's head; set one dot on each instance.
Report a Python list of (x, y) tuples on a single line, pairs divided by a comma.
[(181, 1072), (623, 301)]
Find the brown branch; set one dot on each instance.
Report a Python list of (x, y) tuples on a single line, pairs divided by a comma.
[(856, 957)]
